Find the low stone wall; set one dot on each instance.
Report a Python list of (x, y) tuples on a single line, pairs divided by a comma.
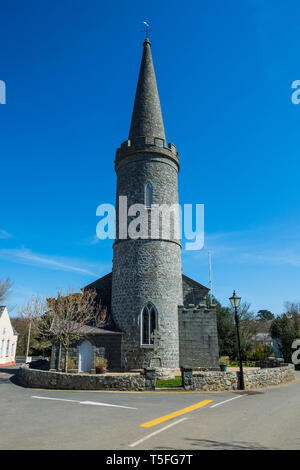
[(215, 381), (267, 377), (272, 362), (220, 381), (60, 380), (202, 381)]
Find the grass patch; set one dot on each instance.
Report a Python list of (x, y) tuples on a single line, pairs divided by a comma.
[(176, 382)]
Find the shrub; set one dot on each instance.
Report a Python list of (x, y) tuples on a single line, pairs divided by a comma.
[(100, 365), (224, 360), (260, 353)]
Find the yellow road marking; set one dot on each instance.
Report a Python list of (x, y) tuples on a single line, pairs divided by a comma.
[(4, 373), (154, 422)]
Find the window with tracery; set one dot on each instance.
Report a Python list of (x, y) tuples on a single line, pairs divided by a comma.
[(149, 323), (148, 195)]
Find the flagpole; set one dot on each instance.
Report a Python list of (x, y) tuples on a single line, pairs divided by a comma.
[(28, 341), (210, 277)]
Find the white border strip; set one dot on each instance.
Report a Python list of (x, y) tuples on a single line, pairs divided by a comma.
[(105, 404), (226, 401), (97, 403), (157, 432), (57, 399)]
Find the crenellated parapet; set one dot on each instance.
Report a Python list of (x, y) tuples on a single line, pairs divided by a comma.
[(146, 144)]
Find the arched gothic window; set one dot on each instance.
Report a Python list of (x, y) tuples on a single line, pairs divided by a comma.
[(149, 323), (148, 195)]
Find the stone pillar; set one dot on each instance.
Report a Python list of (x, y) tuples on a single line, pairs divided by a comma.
[(94, 355), (187, 377), (53, 357), (149, 378)]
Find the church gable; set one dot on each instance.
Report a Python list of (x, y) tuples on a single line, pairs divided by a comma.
[(193, 291), (103, 287)]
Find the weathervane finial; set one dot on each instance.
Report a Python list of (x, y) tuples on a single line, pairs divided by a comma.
[(147, 29)]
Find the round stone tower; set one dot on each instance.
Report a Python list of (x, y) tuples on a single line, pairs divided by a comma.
[(147, 277)]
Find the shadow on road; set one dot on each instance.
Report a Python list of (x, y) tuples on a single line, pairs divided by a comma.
[(13, 373), (236, 445), (208, 444)]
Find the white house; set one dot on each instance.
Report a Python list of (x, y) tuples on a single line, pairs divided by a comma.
[(8, 339), (263, 338)]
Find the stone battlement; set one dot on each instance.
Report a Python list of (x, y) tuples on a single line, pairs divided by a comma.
[(148, 144)]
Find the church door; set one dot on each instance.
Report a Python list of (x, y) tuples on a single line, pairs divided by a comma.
[(85, 357)]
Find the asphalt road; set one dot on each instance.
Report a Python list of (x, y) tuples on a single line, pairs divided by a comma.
[(53, 419)]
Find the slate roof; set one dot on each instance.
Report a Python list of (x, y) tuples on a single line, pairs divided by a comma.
[(95, 284), (99, 331), (147, 117), (108, 278), (92, 330), (195, 283)]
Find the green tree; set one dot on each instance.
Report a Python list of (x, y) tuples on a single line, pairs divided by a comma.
[(283, 329), (226, 331), (43, 336), (292, 310), (265, 315), (40, 342), (21, 326), (227, 335)]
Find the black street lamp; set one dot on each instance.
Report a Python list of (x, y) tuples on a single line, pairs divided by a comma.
[(235, 302)]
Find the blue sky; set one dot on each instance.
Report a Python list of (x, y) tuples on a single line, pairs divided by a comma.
[(224, 72)]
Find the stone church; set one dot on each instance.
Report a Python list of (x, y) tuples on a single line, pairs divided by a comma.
[(146, 289)]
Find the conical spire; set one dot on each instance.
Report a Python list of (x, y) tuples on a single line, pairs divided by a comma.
[(146, 117)]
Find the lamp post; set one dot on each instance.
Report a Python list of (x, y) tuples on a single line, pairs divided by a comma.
[(235, 302)]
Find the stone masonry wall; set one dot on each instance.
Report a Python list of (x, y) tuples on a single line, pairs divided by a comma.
[(198, 337), (58, 380), (147, 270), (220, 381), (191, 293)]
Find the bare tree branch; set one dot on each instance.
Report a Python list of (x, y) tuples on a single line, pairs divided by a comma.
[(65, 317), (71, 313), (5, 287)]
